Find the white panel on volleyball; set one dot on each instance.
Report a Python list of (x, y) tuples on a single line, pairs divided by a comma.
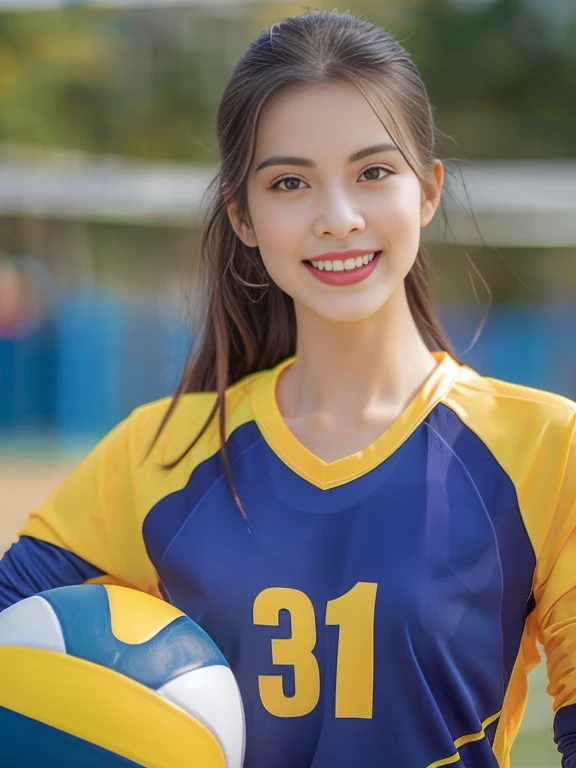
[(211, 695), (32, 623)]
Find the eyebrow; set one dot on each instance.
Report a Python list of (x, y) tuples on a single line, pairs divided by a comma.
[(305, 163)]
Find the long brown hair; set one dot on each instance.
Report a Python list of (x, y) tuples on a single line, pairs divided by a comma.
[(248, 322)]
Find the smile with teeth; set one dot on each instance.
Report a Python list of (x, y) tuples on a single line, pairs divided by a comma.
[(337, 265)]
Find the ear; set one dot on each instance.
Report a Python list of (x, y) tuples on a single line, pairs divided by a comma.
[(242, 227), (431, 193)]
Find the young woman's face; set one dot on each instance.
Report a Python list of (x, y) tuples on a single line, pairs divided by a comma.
[(328, 190)]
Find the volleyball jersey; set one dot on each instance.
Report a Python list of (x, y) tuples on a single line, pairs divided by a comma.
[(379, 610)]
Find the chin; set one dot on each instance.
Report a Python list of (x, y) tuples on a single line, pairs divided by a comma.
[(349, 312)]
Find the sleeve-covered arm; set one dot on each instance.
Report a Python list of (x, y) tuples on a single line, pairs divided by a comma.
[(88, 529), (555, 593)]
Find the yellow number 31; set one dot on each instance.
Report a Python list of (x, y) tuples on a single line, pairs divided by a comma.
[(354, 614)]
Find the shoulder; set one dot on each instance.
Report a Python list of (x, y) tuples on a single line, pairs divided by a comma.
[(496, 407), (189, 416), (529, 432)]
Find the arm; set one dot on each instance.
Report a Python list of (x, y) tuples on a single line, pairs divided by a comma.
[(558, 636), (555, 592), (32, 565), (87, 530)]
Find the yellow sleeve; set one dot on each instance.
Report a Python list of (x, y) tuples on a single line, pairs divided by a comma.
[(93, 515), (555, 611)]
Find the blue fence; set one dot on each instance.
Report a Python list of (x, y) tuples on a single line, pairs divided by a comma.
[(96, 360), (103, 355)]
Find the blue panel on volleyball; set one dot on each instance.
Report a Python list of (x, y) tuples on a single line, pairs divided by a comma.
[(21, 736), (178, 648)]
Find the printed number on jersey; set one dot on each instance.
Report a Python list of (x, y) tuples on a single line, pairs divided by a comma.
[(353, 613)]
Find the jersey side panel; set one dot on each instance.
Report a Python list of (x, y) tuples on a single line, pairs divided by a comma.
[(529, 433)]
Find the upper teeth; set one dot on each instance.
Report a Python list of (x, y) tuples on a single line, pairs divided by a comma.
[(337, 265)]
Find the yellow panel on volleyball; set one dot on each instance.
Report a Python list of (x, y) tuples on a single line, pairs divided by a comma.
[(132, 620), (104, 708)]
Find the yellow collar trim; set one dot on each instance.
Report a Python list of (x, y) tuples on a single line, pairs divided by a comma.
[(329, 475)]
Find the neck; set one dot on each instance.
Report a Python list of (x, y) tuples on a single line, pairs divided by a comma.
[(346, 371)]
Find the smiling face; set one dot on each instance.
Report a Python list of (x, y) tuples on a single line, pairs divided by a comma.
[(327, 190)]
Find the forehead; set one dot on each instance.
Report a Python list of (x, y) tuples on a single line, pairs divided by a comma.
[(316, 121)]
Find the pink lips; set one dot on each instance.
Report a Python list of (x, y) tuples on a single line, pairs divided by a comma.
[(346, 277)]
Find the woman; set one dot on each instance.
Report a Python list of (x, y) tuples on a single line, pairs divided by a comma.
[(373, 534)]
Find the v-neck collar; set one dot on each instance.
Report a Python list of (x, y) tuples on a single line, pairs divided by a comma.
[(326, 475)]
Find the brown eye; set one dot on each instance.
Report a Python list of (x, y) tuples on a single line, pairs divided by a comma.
[(290, 184), (372, 174)]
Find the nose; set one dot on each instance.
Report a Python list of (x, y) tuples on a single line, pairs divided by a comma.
[(338, 216)]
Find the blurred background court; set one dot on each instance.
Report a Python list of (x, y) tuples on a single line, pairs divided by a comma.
[(107, 146)]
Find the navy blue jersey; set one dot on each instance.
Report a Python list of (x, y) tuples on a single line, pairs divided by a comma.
[(382, 609)]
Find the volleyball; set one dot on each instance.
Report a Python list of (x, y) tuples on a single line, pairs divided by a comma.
[(104, 676)]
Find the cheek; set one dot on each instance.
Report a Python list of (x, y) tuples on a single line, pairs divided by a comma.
[(279, 226), (279, 266), (276, 223), (399, 217), (279, 231)]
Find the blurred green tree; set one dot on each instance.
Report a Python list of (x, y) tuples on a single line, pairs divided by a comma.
[(147, 83), (500, 75)]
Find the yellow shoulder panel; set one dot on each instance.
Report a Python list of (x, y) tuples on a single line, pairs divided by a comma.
[(530, 433), (151, 481), (98, 511)]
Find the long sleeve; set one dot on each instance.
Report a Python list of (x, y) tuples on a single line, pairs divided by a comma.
[(88, 529), (32, 565), (555, 593)]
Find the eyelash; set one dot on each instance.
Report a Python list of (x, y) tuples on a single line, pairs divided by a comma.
[(276, 184)]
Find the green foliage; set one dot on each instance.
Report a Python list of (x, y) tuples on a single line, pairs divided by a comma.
[(500, 76), (122, 83), (147, 83)]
